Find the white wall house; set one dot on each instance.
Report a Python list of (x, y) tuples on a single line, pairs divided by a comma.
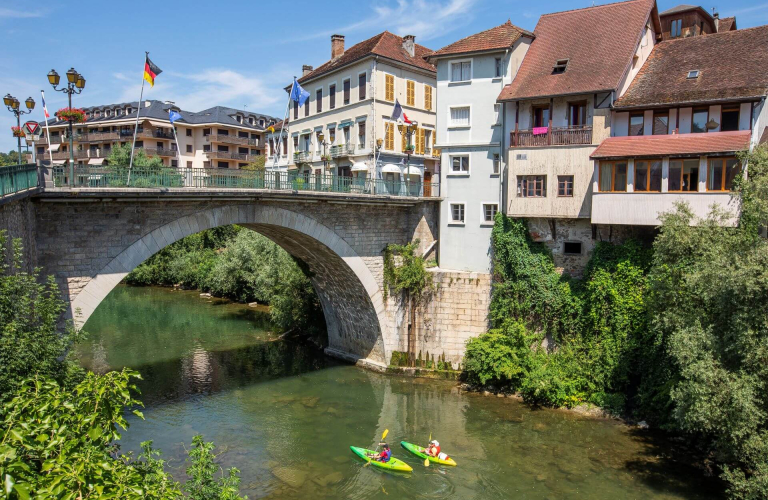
[(470, 75)]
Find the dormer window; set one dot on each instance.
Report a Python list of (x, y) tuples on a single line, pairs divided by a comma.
[(128, 111), (560, 66), (693, 74), (117, 112), (250, 120), (239, 119)]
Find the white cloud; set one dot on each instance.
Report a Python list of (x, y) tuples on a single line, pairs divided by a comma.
[(18, 14), (423, 18)]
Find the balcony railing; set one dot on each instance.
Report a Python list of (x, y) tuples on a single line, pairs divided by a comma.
[(302, 156), (232, 139), (15, 178), (160, 151), (342, 150), (544, 136), (64, 155), (228, 155), (224, 178), (100, 136)]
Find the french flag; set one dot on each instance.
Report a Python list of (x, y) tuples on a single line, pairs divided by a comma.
[(45, 108), (398, 115)]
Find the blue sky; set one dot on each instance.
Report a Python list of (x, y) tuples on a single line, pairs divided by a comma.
[(234, 53)]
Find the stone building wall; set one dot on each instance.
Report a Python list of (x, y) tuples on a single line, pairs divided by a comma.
[(17, 218)]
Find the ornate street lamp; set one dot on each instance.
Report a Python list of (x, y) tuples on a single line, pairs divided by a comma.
[(13, 106), (75, 85), (324, 143)]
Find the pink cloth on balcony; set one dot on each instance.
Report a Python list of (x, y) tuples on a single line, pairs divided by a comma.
[(540, 130)]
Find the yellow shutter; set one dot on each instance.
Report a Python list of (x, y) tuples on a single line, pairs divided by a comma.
[(389, 136), (423, 141), (427, 97), (389, 88), (411, 94)]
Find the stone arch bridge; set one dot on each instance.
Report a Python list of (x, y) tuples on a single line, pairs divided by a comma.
[(89, 239)]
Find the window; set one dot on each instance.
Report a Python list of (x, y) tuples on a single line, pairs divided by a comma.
[(206, 147), (693, 74), (347, 85), (175, 163), (675, 29), (722, 171), (497, 113), (332, 96), (572, 247), (189, 164), (410, 93), (389, 88), (250, 120), (460, 164), (189, 148), (295, 109), (460, 117), (389, 136), (428, 97), (560, 66), (613, 176), (648, 175), (489, 211), (699, 120), (118, 112), (332, 135), (496, 164), (540, 116), (361, 134), (577, 114), (319, 99), (206, 164), (636, 124), (223, 164), (532, 186), (361, 86), (564, 185), (461, 71), (660, 122), (189, 132), (683, 175), (306, 107), (729, 119), (457, 212), (497, 68)]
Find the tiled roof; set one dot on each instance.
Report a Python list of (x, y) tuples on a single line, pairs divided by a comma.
[(731, 65), (598, 42), (384, 44), (726, 24), (679, 8), (673, 144), (500, 37)]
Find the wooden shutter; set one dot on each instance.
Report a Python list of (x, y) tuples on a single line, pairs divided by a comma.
[(389, 139), (410, 98), (423, 141), (346, 91), (427, 97), (389, 88), (361, 86)]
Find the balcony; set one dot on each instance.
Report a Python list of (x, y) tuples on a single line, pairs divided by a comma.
[(543, 136), (231, 139), (302, 157), (100, 136), (160, 151), (342, 150), (64, 155)]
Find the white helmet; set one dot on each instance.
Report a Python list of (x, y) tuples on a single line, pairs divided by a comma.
[(434, 442)]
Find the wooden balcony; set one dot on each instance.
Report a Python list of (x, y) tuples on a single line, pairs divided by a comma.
[(231, 139), (160, 152), (64, 155), (561, 136), (228, 155)]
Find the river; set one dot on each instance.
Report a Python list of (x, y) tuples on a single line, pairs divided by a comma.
[(285, 415)]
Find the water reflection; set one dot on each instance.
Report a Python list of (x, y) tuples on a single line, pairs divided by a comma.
[(285, 415)]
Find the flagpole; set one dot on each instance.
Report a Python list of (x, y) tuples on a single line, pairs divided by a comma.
[(47, 131), (136, 127), (282, 127), (176, 138)]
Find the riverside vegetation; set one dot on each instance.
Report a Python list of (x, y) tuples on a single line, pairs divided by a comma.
[(676, 334)]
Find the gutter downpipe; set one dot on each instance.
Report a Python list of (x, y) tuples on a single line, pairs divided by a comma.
[(503, 151), (374, 174)]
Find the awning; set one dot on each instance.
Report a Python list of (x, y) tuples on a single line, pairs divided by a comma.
[(59, 162), (359, 167), (414, 170), (54, 147), (345, 123), (292, 167), (647, 146), (389, 168), (95, 161)]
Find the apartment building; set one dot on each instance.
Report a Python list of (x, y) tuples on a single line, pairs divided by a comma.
[(558, 109), (345, 128), (696, 102), (216, 137), (470, 74)]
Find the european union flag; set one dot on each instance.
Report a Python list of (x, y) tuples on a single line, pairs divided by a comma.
[(174, 115), (298, 94)]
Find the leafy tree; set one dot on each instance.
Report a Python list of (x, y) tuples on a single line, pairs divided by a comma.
[(11, 158), (120, 158), (202, 483), (257, 165)]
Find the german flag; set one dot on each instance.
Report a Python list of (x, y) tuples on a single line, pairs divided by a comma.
[(151, 71)]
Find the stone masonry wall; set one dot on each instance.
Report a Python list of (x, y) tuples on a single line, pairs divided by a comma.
[(17, 218)]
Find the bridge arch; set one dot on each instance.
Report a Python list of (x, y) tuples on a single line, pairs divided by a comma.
[(352, 301)]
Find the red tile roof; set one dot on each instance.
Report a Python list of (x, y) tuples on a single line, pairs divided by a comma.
[(726, 24), (672, 145), (599, 43), (731, 64), (498, 38), (384, 44)]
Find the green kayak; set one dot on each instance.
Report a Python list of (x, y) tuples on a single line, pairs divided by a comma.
[(393, 464), (419, 452)]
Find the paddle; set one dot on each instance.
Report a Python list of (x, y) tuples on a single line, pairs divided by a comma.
[(426, 460), (386, 431)]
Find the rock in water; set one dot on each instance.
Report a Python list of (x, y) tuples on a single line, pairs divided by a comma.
[(290, 476)]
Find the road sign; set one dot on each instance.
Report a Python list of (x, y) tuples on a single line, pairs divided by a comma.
[(31, 128)]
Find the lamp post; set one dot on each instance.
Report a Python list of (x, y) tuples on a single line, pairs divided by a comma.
[(409, 130), (75, 85), (13, 106)]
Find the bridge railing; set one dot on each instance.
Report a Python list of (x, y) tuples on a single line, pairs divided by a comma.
[(16, 178), (224, 178)]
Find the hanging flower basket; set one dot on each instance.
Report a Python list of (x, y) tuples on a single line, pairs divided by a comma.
[(326, 158), (410, 149), (73, 115), (17, 132)]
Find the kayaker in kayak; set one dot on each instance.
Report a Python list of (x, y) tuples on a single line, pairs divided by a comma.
[(385, 454), (433, 448)]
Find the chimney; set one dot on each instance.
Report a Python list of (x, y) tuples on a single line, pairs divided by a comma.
[(716, 17), (409, 42), (306, 69), (337, 46)]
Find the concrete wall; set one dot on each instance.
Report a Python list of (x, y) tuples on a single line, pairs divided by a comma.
[(17, 219)]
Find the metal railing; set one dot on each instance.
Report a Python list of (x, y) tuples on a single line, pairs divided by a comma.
[(15, 178), (232, 139), (563, 136), (224, 178), (302, 156), (342, 150)]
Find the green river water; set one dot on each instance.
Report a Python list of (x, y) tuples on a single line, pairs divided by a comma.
[(285, 416)]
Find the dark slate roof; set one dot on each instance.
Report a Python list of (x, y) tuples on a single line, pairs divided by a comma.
[(384, 44), (599, 43), (731, 65), (498, 38)]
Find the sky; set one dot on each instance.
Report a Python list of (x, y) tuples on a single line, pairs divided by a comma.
[(231, 53)]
